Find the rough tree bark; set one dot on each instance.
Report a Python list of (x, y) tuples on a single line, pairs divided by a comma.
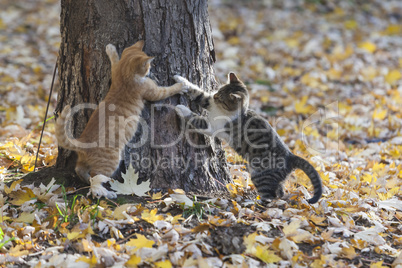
[(178, 34)]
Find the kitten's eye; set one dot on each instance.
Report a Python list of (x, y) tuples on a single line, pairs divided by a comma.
[(215, 96)]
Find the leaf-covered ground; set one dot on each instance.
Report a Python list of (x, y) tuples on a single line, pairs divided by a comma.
[(328, 78)]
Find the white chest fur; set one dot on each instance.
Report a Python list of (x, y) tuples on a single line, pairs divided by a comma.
[(218, 119)]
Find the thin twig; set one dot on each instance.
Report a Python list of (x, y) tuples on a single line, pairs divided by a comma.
[(47, 109)]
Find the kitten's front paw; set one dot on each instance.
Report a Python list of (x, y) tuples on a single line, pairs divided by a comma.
[(183, 110), (190, 87), (183, 87), (180, 79), (111, 50)]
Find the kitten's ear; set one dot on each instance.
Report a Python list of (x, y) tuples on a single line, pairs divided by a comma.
[(139, 44), (149, 60), (235, 96), (233, 78)]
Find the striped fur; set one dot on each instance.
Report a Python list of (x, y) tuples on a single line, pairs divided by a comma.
[(269, 159)]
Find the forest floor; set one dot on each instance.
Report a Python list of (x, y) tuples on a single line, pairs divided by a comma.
[(328, 78)]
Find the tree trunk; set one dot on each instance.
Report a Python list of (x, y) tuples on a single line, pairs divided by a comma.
[(177, 33)]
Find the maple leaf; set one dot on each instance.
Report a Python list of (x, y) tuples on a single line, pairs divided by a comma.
[(349, 253), (249, 242), (74, 235), (120, 211), (140, 242), (130, 185), (26, 217), (21, 196), (266, 255), (150, 216), (156, 196), (379, 114), (133, 261), (18, 250), (301, 107), (14, 186)]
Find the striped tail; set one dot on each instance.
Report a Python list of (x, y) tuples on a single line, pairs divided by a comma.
[(62, 139), (300, 163)]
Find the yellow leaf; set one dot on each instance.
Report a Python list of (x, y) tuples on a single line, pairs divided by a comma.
[(26, 217), (174, 219), (264, 99), (133, 261), (18, 251), (292, 42), (156, 196), (140, 242), (349, 253), (395, 153), (368, 178), (232, 189), (234, 40), (163, 264), (393, 29), (91, 261), (300, 106), (21, 196), (8, 190), (74, 235), (291, 228), (249, 242), (318, 263), (350, 24), (377, 265), (317, 219), (118, 212), (334, 74), (379, 114), (86, 246), (2, 25), (150, 216), (267, 256), (368, 46), (393, 76)]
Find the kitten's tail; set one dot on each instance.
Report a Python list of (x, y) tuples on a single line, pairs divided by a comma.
[(62, 139), (310, 171)]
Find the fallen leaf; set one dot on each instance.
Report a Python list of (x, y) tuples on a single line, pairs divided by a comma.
[(130, 185)]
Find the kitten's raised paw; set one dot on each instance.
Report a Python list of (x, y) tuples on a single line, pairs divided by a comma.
[(112, 53), (110, 49), (180, 79), (184, 87), (187, 84), (183, 110)]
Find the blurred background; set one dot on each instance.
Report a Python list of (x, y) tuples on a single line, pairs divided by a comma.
[(326, 74)]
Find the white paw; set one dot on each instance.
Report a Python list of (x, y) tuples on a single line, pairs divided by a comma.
[(111, 50), (97, 188), (184, 87), (185, 82), (180, 79), (183, 110)]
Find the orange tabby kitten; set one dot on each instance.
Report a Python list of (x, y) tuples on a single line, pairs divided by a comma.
[(114, 122)]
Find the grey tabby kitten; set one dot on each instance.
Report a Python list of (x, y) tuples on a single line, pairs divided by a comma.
[(269, 160)]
